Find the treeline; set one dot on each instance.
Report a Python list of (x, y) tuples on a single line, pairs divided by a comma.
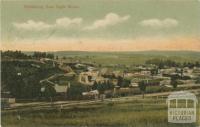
[(161, 63), (191, 65), (14, 54), (39, 55), (20, 55)]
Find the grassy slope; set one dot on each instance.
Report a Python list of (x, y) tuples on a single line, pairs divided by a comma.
[(138, 113)]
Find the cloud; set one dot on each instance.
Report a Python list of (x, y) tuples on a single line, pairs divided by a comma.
[(109, 20), (157, 23), (64, 22), (32, 25)]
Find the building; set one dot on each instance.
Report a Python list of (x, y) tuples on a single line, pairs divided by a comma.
[(6, 100), (91, 94), (61, 90), (87, 78)]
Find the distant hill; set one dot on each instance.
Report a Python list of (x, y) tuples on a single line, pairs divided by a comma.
[(129, 57), (156, 53)]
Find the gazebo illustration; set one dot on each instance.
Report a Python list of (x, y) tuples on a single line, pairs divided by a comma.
[(182, 107)]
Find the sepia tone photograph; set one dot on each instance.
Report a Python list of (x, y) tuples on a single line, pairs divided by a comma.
[(100, 63)]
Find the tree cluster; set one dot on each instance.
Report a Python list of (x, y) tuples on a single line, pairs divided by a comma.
[(174, 82), (191, 65), (23, 80), (161, 63), (75, 91), (20, 55), (101, 87), (14, 54), (39, 55), (142, 85), (123, 82)]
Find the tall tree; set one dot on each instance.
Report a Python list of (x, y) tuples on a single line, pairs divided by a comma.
[(49, 92), (119, 81), (142, 85), (174, 82)]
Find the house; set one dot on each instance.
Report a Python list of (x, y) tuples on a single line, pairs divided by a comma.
[(106, 72), (188, 82), (48, 61), (118, 73), (91, 68), (134, 85), (114, 81), (148, 73), (165, 82), (78, 65), (128, 75), (91, 94), (88, 78), (61, 90), (65, 68), (168, 71), (187, 70), (122, 91), (100, 79), (137, 77), (6, 100), (35, 65)]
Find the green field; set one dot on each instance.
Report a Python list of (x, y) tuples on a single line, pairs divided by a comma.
[(126, 58), (130, 58), (137, 113)]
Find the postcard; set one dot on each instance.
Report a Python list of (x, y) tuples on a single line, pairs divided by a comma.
[(100, 63)]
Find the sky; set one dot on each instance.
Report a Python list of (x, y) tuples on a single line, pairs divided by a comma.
[(100, 25)]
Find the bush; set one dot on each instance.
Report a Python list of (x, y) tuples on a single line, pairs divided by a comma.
[(197, 81), (75, 91)]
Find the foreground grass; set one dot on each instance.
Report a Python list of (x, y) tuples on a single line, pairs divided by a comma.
[(127, 114)]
